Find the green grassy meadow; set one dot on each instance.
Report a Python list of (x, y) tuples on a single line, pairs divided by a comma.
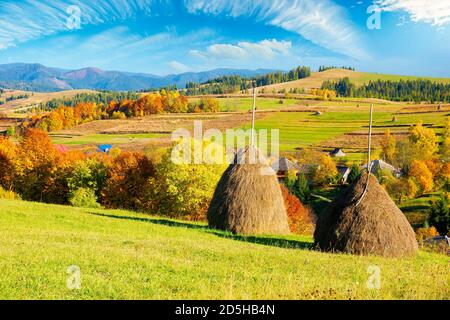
[(365, 77), (124, 255), (77, 140)]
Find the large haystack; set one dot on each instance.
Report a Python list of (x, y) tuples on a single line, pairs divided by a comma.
[(376, 226), (248, 198)]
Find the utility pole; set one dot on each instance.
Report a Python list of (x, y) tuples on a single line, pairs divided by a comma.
[(253, 115)]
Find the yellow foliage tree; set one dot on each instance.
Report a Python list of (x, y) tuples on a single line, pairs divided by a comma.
[(445, 148), (389, 147), (326, 170), (424, 141), (424, 177)]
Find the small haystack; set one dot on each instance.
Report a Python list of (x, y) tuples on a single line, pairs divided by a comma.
[(248, 198), (375, 226)]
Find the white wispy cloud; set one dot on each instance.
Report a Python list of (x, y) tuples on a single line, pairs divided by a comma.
[(178, 67), (321, 22), (265, 50), (435, 12), (31, 19)]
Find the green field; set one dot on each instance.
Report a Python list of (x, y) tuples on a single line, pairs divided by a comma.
[(305, 129), (124, 255), (365, 77), (246, 104), (77, 140)]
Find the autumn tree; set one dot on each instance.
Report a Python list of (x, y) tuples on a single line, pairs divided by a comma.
[(445, 147), (36, 167), (422, 175), (388, 147), (185, 190), (300, 218), (128, 181), (439, 215), (8, 153), (424, 142), (325, 172)]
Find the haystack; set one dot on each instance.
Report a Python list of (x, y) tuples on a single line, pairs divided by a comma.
[(375, 226), (248, 198)]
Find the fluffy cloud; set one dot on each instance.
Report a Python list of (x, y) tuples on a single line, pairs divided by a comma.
[(321, 22), (178, 67), (434, 12), (265, 49)]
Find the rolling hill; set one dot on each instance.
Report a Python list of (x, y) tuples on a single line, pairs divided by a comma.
[(124, 255), (35, 98), (359, 78), (39, 78)]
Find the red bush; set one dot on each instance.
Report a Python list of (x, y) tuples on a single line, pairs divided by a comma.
[(301, 219)]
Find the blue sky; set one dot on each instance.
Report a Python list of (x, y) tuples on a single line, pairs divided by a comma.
[(175, 36)]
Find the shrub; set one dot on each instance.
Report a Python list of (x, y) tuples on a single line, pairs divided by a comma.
[(354, 174), (84, 198), (302, 189), (118, 115), (89, 174), (300, 218), (185, 190), (11, 132), (439, 215), (7, 194), (426, 233)]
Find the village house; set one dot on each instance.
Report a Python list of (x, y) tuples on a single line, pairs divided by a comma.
[(380, 165), (282, 166), (339, 153)]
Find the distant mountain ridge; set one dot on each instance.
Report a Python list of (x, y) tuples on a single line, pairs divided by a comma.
[(37, 77)]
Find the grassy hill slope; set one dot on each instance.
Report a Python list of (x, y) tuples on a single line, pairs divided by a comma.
[(359, 78), (35, 98), (124, 255)]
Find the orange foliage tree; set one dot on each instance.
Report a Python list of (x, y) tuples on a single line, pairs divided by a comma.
[(128, 181), (36, 166), (422, 175), (301, 219), (8, 152)]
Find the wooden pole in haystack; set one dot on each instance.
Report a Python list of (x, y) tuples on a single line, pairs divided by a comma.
[(252, 143), (369, 144), (369, 162)]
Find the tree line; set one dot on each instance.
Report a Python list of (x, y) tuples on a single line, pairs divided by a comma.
[(236, 83), (403, 90), (67, 116), (325, 68), (103, 97), (33, 169)]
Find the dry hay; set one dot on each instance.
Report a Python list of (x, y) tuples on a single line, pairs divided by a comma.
[(248, 198), (376, 226)]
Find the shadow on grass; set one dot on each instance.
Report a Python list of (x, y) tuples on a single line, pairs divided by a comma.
[(160, 221), (262, 240), (414, 208), (266, 241)]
